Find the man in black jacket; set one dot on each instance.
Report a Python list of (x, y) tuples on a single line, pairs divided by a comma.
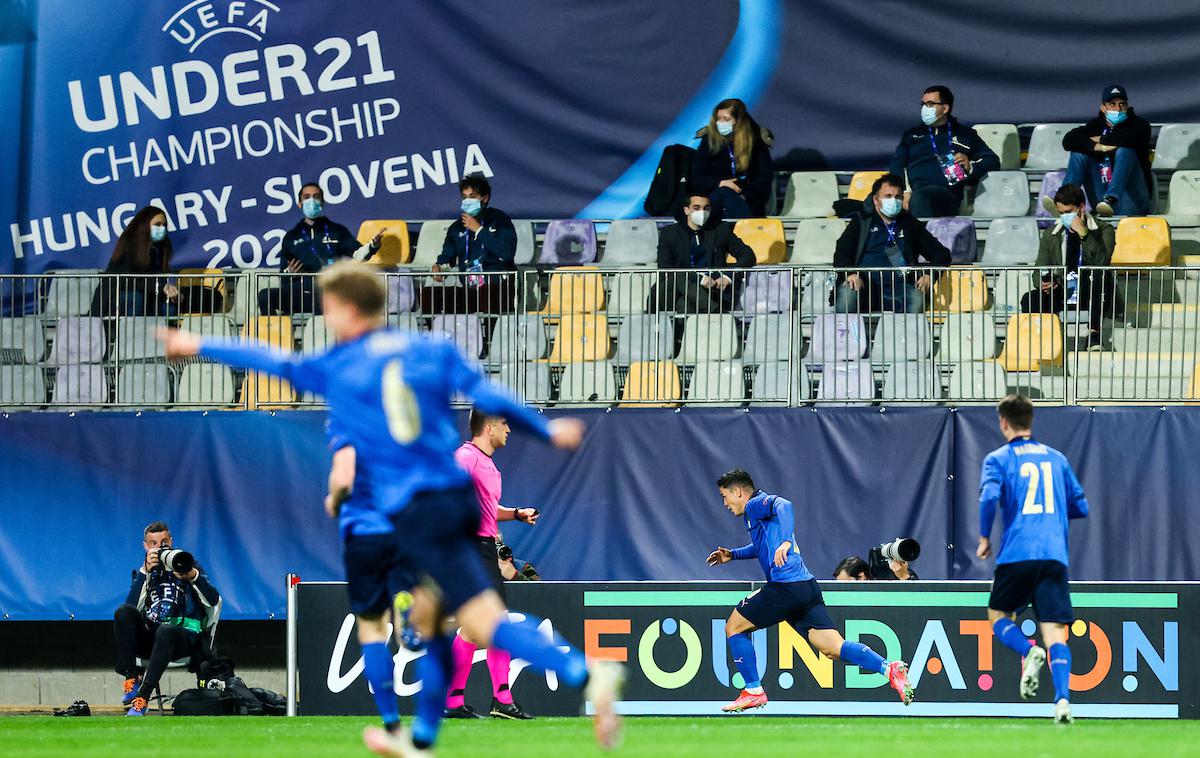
[(886, 236), (941, 157), (1110, 158), (701, 243), (165, 617), (482, 243), (309, 246)]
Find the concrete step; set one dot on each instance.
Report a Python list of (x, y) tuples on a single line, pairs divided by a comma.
[(1163, 315), (1130, 364), (1125, 388), (1156, 340)]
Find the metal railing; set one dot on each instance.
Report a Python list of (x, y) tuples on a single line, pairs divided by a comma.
[(771, 335)]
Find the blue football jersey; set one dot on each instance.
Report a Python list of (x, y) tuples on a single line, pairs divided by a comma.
[(358, 514), (771, 522), (1037, 493)]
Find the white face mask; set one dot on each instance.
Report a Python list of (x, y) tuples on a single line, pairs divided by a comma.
[(699, 218), (929, 114), (725, 128)]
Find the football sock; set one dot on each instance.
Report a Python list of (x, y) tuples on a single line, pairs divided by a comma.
[(1060, 670), (742, 648), (497, 662), (435, 669), (1010, 635), (523, 640), (863, 657), (379, 669), (463, 653)]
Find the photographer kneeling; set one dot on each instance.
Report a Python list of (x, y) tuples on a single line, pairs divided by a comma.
[(890, 561), (164, 618)]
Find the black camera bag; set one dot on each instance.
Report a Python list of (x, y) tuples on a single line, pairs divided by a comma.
[(196, 702)]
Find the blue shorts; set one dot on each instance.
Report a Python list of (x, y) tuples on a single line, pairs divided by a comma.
[(800, 604), (1042, 584), (436, 533), (374, 572)]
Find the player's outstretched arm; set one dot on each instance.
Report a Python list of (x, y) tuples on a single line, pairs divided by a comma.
[(181, 344), (1077, 504), (496, 400), (719, 556)]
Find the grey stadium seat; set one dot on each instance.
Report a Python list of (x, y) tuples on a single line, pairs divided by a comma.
[(137, 340), (22, 385), (645, 337), (810, 194), (22, 340), (82, 384), (1046, 152), (591, 382), (631, 242), (901, 337), (720, 381), (529, 380), (516, 338), (771, 383), (205, 384), (1178, 147), (144, 384), (1002, 194), (852, 381), (1004, 142), (1011, 242)]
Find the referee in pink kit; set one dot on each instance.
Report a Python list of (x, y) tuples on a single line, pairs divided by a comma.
[(488, 434)]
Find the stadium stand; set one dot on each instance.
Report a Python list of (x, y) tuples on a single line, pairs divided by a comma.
[(394, 248)]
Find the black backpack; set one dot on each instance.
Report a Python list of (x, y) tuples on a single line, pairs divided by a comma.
[(196, 702), (668, 190)]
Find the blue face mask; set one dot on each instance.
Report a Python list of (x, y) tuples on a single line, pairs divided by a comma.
[(471, 206), (158, 233), (1115, 117), (891, 206), (311, 208), (1066, 219), (928, 114), (725, 128)]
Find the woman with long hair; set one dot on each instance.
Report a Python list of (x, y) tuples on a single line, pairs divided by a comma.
[(733, 163), (143, 249)]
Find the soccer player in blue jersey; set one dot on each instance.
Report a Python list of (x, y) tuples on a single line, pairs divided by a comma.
[(1037, 493), (790, 595), (391, 392)]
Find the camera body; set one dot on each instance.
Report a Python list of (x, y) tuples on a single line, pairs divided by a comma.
[(174, 559), (900, 549)]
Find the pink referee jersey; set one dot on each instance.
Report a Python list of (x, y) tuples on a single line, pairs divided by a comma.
[(486, 477)]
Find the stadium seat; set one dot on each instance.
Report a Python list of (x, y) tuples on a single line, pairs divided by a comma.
[(1004, 142), (70, 294), (960, 291), (901, 337), (816, 288), (718, 382), (430, 239), (205, 384), (243, 306), (1046, 152), (851, 381), (394, 248), (771, 383), (1178, 147), (517, 338), (1142, 241), (530, 381), (317, 336), (1008, 287), (1033, 340), (645, 337), (575, 290), (838, 337), (592, 382), (768, 291), (581, 337), (203, 291), (257, 390), (967, 337), (22, 340), (208, 326), (631, 242), (860, 184), (1001, 194), (137, 339), (144, 384), (980, 381), (569, 243), (274, 331), (22, 385), (526, 248), (401, 293), (1011, 242), (765, 236), (1183, 194), (810, 194), (912, 381), (1051, 182), (653, 383), (957, 233), (709, 337), (768, 339), (78, 340), (815, 241), (465, 331), (80, 384), (629, 292), (262, 391)]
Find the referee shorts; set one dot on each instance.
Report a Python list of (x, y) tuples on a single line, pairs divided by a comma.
[(491, 564)]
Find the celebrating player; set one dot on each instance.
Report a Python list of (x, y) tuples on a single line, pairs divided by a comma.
[(791, 593), (391, 393), (1037, 492), (488, 434)]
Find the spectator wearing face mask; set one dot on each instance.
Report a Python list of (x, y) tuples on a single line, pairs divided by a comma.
[(940, 157), (143, 252), (701, 243), (482, 243), (732, 166), (1110, 158), (309, 246)]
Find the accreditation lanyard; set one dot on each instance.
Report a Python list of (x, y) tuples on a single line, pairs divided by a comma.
[(732, 162), (324, 241), (891, 233), (949, 142)]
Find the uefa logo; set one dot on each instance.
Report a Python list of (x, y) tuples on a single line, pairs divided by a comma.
[(201, 20)]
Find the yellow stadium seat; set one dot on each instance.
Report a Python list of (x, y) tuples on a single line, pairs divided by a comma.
[(259, 390), (960, 291), (1142, 241), (575, 289), (581, 337), (765, 237), (1194, 386), (860, 184), (265, 392), (208, 278), (1033, 339), (394, 248), (653, 381)]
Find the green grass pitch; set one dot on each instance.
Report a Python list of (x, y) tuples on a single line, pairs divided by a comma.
[(312, 737)]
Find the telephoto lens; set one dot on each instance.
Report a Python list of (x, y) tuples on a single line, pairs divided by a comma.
[(903, 549), (174, 559)]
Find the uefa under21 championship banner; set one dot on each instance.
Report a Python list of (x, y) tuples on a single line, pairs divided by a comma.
[(1135, 648)]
